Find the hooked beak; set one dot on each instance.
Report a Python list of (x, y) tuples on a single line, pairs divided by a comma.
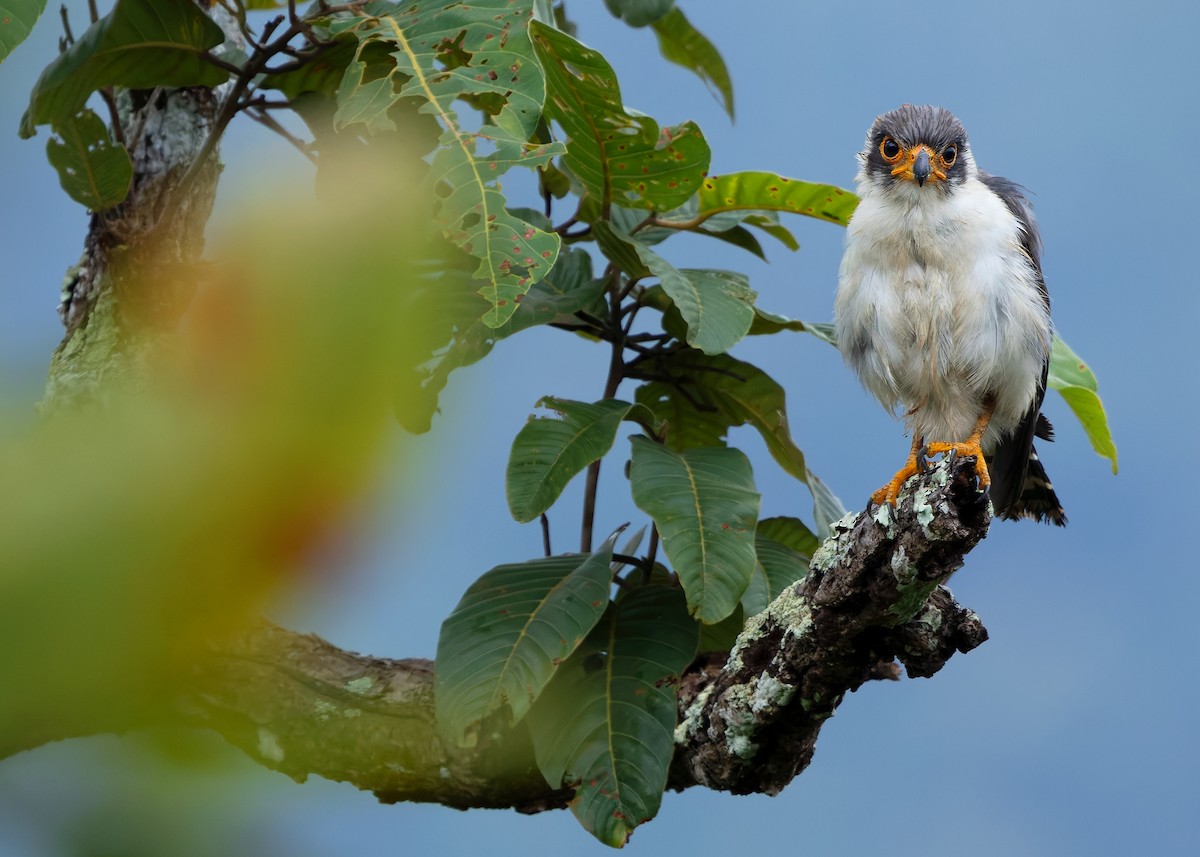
[(920, 167), (917, 165)]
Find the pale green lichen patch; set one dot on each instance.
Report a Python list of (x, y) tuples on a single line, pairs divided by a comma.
[(903, 570), (689, 725), (268, 745), (770, 693), (883, 516), (323, 709), (351, 712), (740, 725), (361, 685)]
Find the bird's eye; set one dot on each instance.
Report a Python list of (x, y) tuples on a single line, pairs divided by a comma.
[(950, 155), (890, 149)]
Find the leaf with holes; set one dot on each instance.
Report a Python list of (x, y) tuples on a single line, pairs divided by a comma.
[(619, 157), (1075, 381), (448, 295), (93, 170), (681, 43), (477, 50), (17, 18), (140, 44), (605, 724), (771, 192), (548, 452), (508, 635), (705, 506)]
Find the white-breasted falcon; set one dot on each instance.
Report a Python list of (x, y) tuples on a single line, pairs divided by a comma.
[(942, 309)]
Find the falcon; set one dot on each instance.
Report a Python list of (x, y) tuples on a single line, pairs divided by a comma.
[(942, 310)]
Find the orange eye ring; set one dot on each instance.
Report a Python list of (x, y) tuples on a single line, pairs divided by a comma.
[(949, 155), (890, 150)]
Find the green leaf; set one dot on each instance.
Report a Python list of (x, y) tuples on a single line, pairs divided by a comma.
[(605, 724), (548, 452), (827, 508), (93, 170), (789, 532), (639, 13), (771, 192), (721, 636), (510, 632), (718, 306), (711, 394), (17, 18), (450, 296), (140, 44), (620, 157), (479, 50), (777, 567), (1078, 386), (705, 506), (619, 248), (681, 43)]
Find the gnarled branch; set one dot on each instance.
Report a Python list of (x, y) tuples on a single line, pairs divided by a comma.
[(749, 722)]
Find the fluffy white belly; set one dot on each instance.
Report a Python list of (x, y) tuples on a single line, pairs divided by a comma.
[(938, 308)]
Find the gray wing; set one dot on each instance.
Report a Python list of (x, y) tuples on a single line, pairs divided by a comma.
[(1019, 484)]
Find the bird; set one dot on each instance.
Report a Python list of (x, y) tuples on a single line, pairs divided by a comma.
[(942, 310)]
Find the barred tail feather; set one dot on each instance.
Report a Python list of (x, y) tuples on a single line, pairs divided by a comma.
[(1037, 499)]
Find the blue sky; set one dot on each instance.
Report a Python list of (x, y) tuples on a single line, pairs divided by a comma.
[(1072, 731)]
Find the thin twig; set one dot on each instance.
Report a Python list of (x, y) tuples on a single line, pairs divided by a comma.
[(68, 38), (267, 121), (93, 11), (616, 374), (110, 101)]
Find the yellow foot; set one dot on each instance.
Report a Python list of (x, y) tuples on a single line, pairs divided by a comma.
[(968, 448), (888, 493)]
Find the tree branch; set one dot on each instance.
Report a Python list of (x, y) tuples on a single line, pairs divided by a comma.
[(749, 720)]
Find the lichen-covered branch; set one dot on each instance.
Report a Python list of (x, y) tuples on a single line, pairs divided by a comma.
[(749, 722), (872, 595), (301, 706)]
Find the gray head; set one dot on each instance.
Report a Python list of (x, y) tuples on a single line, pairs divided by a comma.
[(916, 147)]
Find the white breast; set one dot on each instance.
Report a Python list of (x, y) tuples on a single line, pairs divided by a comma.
[(938, 307)]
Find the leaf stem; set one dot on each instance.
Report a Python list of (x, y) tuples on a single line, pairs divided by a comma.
[(546, 535)]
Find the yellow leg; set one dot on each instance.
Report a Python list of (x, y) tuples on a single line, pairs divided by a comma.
[(971, 446), (889, 492)]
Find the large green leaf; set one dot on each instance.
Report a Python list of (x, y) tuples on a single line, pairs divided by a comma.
[(548, 452), (93, 170), (711, 394), (482, 51), (771, 192), (605, 724), (17, 18), (618, 156), (509, 633), (681, 43), (140, 44), (718, 306), (1075, 381), (705, 506), (777, 567)]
